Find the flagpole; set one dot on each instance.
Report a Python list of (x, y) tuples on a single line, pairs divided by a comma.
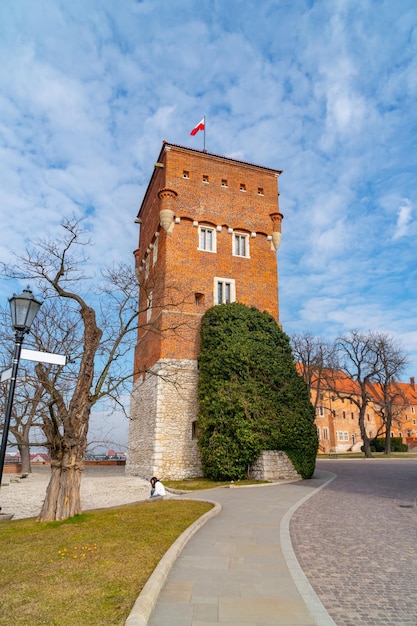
[(204, 141)]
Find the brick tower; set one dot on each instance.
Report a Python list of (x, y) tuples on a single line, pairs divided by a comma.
[(209, 230)]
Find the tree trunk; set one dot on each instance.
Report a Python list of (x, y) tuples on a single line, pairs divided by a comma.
[(25, 458), (63, 497), (364, 435), (387, 449)]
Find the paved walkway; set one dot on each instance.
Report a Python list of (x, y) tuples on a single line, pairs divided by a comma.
[(355, 540), (236, 569)]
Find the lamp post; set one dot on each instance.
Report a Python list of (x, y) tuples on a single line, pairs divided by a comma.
[(23, 309)]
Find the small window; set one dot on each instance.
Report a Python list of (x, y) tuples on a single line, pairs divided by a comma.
[(224, 182), (320, 411), (414, 422), (408, 432), (325, 433), (260, 191), (149, 306), (199, 298), (353, 417), (147, 267), (344, 414), (240, 245), (205, 178), (206, 239), (155, 252), (367, 417), (224, 290), (186, 174), (412, 410), (194, 430), (242, 187)]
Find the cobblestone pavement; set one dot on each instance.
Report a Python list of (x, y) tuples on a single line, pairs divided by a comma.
[(356, 541)]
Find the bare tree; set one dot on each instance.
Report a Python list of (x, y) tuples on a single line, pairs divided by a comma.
[(370, 360), (313, 356), (99, 366), (388, 394), (101, 326)]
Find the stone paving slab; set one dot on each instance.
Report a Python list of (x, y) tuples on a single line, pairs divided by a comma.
[(233, 571)]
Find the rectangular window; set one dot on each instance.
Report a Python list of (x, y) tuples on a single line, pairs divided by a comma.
[(205, 178), (260, 191), (149, 306), (224, 290), (342, 435), (186, 174), (321, 411), (412, 410), (325, 433), (206, 239), (242, 187), (240, 245), (224, 182), (155, 251)]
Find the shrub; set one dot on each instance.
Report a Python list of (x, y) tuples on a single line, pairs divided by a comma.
[(251, 397), (397, 445)]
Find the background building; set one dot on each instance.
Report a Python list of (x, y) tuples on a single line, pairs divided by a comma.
[(209, 230)]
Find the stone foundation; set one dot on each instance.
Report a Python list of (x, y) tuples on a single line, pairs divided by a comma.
[(162, 437), (273, 465)]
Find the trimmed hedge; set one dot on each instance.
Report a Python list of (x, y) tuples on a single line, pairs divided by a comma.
[(251, 397), (397, 445)]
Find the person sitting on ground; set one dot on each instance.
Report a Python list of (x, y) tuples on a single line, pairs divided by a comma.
[(157, 487)]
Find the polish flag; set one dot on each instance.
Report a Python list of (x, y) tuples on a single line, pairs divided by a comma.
[(200, 126)]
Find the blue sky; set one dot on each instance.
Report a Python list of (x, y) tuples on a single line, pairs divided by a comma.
[(325, 90)]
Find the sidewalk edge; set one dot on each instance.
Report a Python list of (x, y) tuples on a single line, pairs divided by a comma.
[(145, 603), (311, 600)]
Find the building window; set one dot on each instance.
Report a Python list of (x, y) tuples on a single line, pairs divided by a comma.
[(149, 306), (205, 178), (194, 430), (344, 414), (206, 239), (260, 191), (224, 182), (325, 433), (412, 409), (408, 432), (320, 411), (224, 290), (342, 435), (199, 298), (186, 174), (242, 187), (352, 416), (155, 251), (147, 267), (241, 245), (414, 422)]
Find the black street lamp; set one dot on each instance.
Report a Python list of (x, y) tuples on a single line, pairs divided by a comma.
[(23, 309)]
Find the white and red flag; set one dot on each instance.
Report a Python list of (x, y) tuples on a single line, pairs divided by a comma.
[(200, 126)]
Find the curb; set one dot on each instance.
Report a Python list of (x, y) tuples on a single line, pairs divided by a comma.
[(145, 603)]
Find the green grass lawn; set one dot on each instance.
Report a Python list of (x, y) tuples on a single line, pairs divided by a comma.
[(89, 569)]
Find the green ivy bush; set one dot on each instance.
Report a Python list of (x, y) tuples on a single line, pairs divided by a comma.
[(251, 397)]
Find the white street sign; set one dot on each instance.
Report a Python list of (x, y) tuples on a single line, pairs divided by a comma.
[(43, 357), (5, 375)]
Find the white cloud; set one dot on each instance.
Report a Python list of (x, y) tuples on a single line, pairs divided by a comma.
[(324, 90), (404, 218)]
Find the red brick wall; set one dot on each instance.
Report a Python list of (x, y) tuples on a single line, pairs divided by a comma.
[(181, 269)]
